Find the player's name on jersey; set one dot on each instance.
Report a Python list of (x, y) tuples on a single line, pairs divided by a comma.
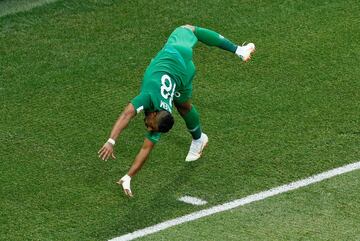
[(165, 106)]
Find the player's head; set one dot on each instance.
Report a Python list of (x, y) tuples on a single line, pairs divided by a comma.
[(165, 121), (160, 121)]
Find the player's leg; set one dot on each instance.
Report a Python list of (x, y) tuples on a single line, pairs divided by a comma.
[(192, 120), (183, 40), (191, 117), (212, 38)]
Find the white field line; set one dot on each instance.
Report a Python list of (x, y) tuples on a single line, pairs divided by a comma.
[(10, 7), (239, 202), (192, 200)]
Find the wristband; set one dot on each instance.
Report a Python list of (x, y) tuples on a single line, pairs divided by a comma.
[(111, 141), (126, 178)]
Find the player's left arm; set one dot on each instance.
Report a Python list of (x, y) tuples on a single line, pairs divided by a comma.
[(139, 161)]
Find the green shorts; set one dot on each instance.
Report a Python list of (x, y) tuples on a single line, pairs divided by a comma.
[(184, 40), (183, 95)]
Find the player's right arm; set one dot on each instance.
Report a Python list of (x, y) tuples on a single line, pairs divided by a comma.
[(122, 122)]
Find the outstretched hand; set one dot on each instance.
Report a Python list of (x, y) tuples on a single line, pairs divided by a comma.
[(125, 182), (106, 151)]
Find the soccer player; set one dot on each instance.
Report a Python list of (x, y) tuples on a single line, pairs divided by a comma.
[(167, 81)]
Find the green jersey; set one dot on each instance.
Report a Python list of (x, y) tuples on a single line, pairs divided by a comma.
[(169, 76)]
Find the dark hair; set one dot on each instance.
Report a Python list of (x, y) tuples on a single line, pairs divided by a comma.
[(165, 121)]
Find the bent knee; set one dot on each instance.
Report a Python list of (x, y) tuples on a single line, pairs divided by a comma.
[(183, 108), (191, 27)]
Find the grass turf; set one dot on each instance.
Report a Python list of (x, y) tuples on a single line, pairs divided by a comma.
[(68, 68), (324, 211), (14, 6)]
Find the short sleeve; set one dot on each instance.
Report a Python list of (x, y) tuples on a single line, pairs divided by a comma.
[(141, 102), (154, 137)]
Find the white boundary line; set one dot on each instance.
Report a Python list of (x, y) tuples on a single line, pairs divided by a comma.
[(239, 202)]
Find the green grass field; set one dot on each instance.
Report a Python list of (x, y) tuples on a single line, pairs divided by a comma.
[(68, 68), (8, 7), (325, 211)]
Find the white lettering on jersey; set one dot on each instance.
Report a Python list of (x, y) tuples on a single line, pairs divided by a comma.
[(139, 109), (165, 106)]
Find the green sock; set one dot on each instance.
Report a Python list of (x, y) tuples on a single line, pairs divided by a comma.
[(212, 38), (192, 122)]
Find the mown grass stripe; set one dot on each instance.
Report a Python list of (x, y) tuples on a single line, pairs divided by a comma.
[(8, 7), (239, 202)]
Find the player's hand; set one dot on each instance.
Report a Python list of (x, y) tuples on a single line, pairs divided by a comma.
[(125, 182), (106, 151)]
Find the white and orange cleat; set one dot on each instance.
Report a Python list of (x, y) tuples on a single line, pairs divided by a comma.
[(245, 51), (196, 148)]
